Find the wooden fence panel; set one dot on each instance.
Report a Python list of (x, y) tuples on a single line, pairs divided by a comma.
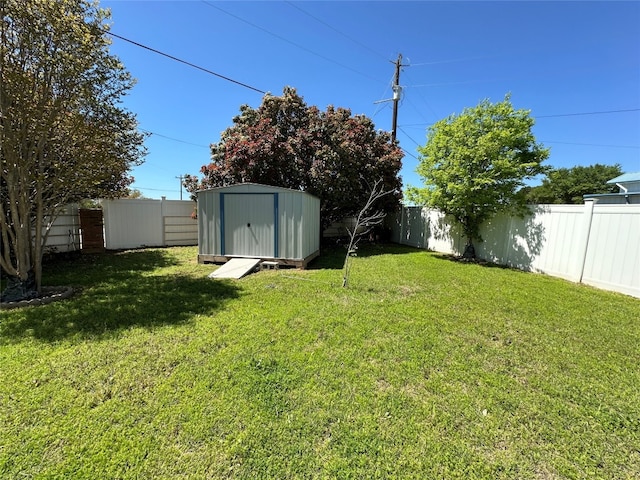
[(91, 229)]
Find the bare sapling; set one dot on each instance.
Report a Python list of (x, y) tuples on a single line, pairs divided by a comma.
[(365, 222)]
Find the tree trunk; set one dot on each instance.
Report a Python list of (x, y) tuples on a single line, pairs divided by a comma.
[(18, 289), (469, 250), (36, 256)]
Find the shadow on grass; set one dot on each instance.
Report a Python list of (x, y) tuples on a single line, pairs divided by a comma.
[(332, 257), (480, 262), (87, 269), (117, 293)]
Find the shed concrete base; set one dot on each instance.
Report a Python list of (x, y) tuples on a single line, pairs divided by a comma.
[(298, 263)]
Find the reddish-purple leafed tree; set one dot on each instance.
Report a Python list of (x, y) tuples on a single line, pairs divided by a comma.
[(332, 154)]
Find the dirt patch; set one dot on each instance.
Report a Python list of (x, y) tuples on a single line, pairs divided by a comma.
[(408, 290)]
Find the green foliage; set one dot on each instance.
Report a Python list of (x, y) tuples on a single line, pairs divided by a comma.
[(89, 203), (331, 154), (134, 193), (569, 185), (152, 370), (475, 163), (64, 137)]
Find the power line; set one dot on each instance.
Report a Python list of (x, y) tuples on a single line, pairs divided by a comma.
[(552, 116), (381, 103), (206, 70), (423, 99), (447, 84), (409, 153), (587, 113), (542, 74), (453, 60), (381, 106), (154, 189), (280, 37), (592, 144), (409, 137), (366, 47), (171, 138)]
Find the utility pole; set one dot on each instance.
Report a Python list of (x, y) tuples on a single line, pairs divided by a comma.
[(397, 89), (180, 178)]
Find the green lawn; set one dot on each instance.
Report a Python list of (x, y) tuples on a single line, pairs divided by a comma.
[(423, 368)]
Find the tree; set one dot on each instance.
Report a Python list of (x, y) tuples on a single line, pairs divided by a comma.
[(365, 221), (569, 185), (63, 135), (134, 193), (332, 154), (474, 164)]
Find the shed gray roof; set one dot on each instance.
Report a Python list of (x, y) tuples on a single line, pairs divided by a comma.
[(259, 186), (626, 177)]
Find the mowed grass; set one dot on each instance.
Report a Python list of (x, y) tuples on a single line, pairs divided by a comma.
[(422, 368)]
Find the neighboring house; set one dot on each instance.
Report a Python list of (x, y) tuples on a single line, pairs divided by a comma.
[(629, 182), (629, 185)]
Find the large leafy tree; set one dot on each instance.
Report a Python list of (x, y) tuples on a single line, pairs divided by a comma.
[(569, 185), (474, 164), (64, 136), (332, 154)]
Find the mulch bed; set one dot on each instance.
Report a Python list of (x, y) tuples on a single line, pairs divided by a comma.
[(48, 295)]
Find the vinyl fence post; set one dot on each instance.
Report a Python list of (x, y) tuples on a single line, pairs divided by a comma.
[(403, 211), (588, 212)]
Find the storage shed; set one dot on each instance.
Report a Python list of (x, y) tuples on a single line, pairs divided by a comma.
[(258, 221)]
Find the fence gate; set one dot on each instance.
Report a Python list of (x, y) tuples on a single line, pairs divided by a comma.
[(91, 230)]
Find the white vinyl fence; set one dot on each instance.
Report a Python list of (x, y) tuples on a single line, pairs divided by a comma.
[(596, 244), (129, 223), (134, 223), (64, 234)]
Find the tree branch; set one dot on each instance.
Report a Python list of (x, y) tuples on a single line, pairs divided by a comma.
[(365, 221)]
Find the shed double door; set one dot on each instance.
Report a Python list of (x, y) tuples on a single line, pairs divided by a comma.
[(249, 225)]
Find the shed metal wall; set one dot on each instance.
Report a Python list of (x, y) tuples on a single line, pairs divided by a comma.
[(285, 223), (209, 225), (298, 225)]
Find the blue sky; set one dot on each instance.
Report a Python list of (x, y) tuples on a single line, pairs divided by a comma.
[(565, 61)]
